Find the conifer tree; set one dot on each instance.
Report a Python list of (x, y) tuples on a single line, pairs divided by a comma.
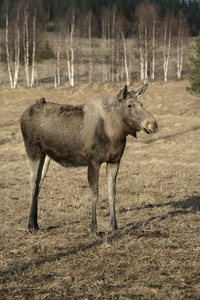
[(194, 68)]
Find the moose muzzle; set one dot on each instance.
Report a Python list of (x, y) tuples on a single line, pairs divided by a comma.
[(150, 126)]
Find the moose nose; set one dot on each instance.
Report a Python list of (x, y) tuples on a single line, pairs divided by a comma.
[(150, 126), (153, 127)]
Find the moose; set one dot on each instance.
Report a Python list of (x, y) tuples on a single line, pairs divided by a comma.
[(83, 135)]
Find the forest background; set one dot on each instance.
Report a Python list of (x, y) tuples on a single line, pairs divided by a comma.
[(84, 41)]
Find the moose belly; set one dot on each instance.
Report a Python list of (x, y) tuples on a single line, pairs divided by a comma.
[(66, 155)]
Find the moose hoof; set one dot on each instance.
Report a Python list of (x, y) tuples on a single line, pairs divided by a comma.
[(113, 228), (93, 229), (33, 226)]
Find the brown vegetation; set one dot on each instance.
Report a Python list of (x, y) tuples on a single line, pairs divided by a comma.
[(155, 254)]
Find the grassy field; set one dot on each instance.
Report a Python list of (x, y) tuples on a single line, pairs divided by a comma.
[(155, 254)]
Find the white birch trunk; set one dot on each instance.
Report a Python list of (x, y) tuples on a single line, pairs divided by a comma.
[(58, 65), (167, 51), (102, 51), (58, 62), (113, 47), (17, 50), (180, 46), (26, 46), (103, 39), (117, 62), (130, 67), (145, 56), (55, 75), (90, 47), (125, 60), (178, 53), (182, 52), (68, 65), (153, 51), (164, 46), (70, 52), (27, 53), (109, 48), (141, 51), (78, 62), (33, 54), (8, 54), (122, 69), (72, 68)]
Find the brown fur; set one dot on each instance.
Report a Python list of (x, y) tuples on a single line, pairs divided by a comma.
[(82, 135)]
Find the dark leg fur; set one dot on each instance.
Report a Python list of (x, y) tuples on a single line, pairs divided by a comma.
[(36, 167), (93, 178), (112, 170)]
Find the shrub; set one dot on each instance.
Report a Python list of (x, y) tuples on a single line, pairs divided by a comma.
[(46, 52)]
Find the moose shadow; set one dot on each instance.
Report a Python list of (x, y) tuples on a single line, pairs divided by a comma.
[(192, 202), (190, 205)]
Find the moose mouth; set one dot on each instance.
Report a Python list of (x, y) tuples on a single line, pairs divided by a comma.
[(147, 130)]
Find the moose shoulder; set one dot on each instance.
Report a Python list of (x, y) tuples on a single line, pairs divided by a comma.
[(86, 135)]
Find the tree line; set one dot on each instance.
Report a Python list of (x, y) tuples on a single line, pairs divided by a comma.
[(56, 9), (121, 41)]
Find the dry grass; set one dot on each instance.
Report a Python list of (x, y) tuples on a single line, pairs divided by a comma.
[(155, 254)]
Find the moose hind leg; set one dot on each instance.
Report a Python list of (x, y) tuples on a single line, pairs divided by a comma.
[(112, 170), (36, 166), (45, 169)]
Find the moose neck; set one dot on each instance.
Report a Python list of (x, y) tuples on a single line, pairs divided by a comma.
[(115, 128)]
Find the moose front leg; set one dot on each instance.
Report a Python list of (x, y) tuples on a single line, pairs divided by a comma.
[(112, 170), (93, 179)]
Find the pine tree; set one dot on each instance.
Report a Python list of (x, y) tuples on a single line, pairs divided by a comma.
[(194, 68)]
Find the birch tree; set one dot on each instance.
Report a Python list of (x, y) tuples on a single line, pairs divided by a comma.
[(141, 13), (141, 49), (108, 45), (26, 45), (57, 77), (147, 16), (9, 62), (117, 62), (57, 80), (90, 44), (153, 45), (181, 40), (17, 48), (113, 43), (13, 72), (124, 50), (153, 51), (34, 49), (70, 49), (103, 46), (167, 46), (145, 54), (125, 59)]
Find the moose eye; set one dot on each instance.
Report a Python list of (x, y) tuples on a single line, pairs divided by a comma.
[(129, 106)]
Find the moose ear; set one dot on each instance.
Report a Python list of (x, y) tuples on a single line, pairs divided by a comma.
[(139, 91), (122, 94)]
